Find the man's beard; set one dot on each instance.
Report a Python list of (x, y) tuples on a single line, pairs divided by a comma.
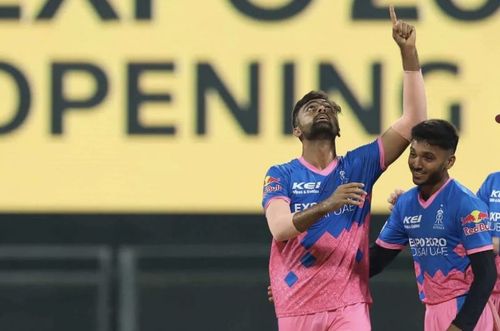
[(321, 131), (433, 178)]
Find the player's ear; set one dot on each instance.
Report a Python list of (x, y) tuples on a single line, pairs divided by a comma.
[(450, 162), (297, 132)]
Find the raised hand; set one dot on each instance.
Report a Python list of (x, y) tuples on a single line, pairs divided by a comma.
[(393, 197), (346, 194), (404, 34)]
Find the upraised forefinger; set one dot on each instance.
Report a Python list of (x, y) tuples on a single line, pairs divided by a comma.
[(392, 12)]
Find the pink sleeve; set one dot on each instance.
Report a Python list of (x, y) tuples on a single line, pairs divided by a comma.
[(414, 103), (381, 151), (281, 197), (387, 245), (480, 249)]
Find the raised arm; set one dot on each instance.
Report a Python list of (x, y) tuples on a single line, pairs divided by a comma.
[(397, 137)]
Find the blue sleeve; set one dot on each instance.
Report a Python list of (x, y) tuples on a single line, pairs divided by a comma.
[(393, 234), (483, 192), (472, 220), (275, 185)]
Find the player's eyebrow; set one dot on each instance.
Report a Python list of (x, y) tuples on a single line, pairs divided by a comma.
[(319, 101), (425, 153), (322, 102)]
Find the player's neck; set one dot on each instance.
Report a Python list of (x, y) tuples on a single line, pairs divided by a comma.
[(319, 153), (426, 191)]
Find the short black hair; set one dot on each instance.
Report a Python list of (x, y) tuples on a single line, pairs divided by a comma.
[(436, 132), (312, 95)]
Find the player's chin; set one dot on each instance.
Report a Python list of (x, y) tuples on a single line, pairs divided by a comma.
[(418, 179)]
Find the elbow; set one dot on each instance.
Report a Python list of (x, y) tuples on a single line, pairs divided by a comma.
[(281, 235), (282, 227), (283, 231)]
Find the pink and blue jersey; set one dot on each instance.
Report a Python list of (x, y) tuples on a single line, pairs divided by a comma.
[(326, 267), (489, 193), (441, 232)]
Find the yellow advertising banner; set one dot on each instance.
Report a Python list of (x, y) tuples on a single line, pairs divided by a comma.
[(182, 105)]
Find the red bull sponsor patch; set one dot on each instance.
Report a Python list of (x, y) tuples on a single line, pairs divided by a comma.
[(474, 217), (271, 184), (269, 180), (473, 223)]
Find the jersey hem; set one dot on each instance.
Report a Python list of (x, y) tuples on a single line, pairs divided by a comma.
[(315, 311)]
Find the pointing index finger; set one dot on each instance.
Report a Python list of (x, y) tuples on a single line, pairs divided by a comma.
[(392, 12)]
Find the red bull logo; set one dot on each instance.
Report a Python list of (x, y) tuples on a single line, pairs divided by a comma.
[(474, 217), (269, 180)]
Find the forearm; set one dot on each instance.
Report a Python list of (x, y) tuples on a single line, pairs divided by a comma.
[(409, 56), (279, 219), (483, 267), (414, 103), (305, 219), (285, 225)]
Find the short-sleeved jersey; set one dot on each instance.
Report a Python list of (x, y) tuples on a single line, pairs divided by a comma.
[(326, 267), (441, 231), (489, 193)]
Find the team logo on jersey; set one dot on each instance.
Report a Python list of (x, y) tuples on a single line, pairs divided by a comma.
[(438, 223), (343, 178), (473, 223), (271, 184), (412, 222)]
